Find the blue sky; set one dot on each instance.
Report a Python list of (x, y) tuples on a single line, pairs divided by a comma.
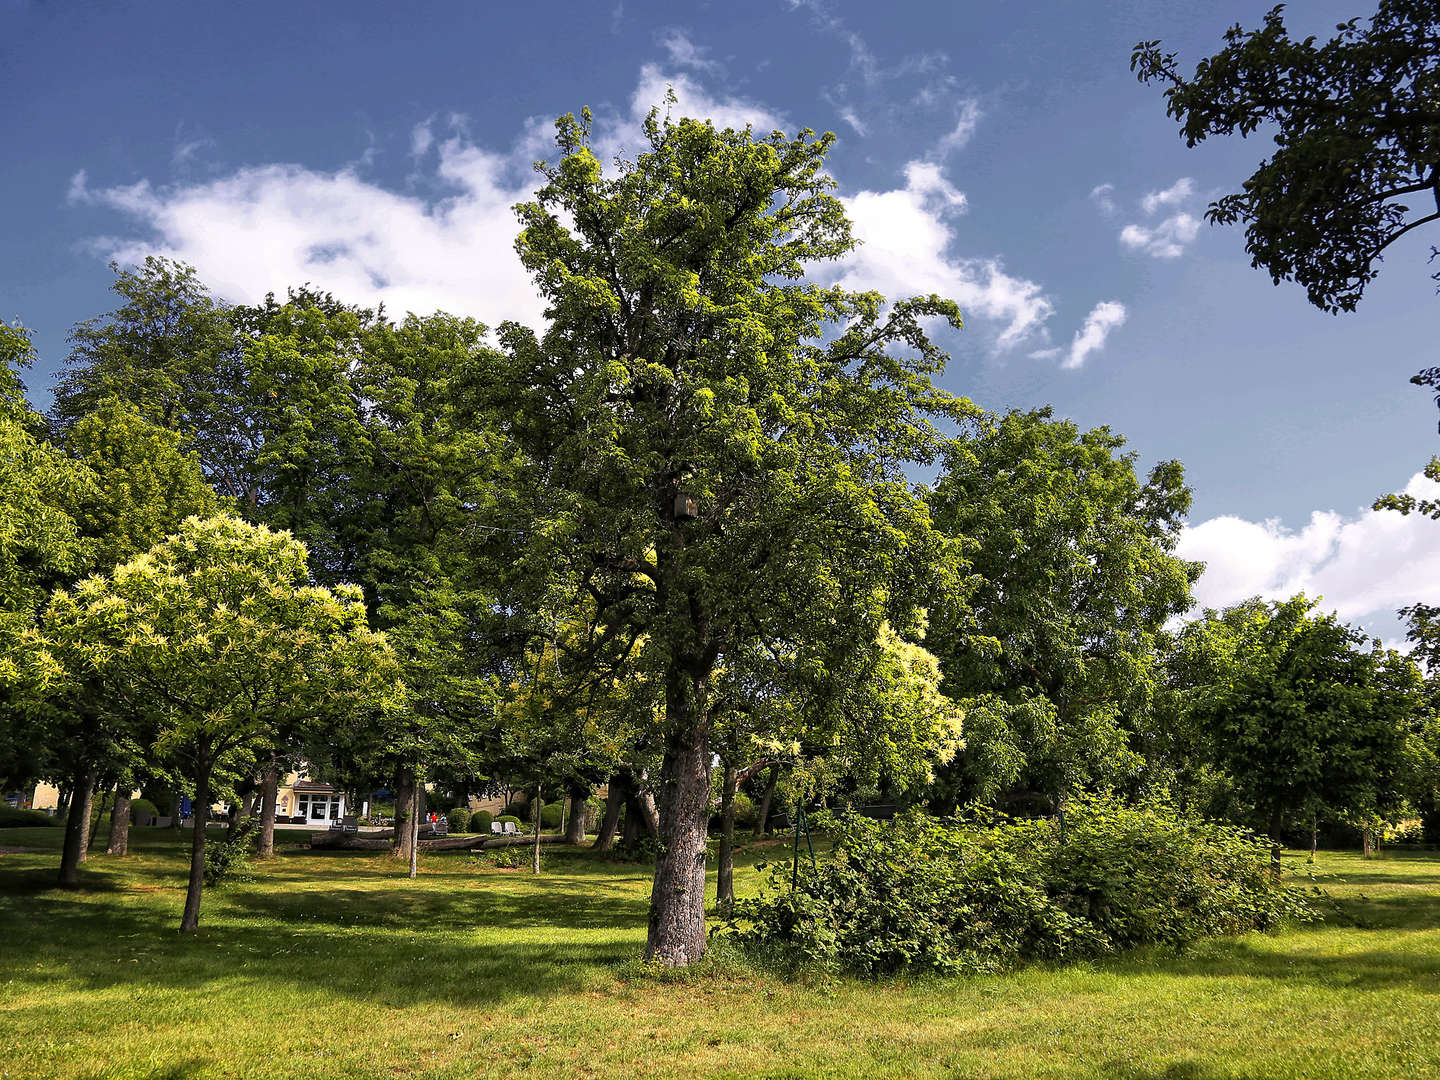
[(1002, 154)]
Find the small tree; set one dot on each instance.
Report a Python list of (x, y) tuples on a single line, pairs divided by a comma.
[(216, 638)]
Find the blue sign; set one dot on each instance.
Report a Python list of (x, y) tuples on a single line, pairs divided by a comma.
[(184, 806)]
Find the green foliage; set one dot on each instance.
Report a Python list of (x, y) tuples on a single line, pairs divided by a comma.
[(509, 857), (550, 815), (228, 861), (480, 821), (1073, 576), (745, 812), (11, 818), (458, 818), (503, 818), (1299, 714), (971, 897), (1354, 131), (139, 807)]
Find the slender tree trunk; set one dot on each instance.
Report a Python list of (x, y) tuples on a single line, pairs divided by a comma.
[(1314, 837), (725, 888), (630, 827), (120, 823), (413, 832), (579, 796), (77, 826), (1367, 841), (643, 803), (614, 800), (762, 819), (539, 806), (190, 920), (406, 813), (677, 898), (93, 826), (269, 797), (232, 820)]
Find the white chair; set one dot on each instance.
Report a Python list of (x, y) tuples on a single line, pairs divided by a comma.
[(497, 827), (510, 828)]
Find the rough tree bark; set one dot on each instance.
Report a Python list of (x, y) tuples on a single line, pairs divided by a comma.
[(614, 800), (677, 897), (579, 794), (269, 796), (406, 814), (762, 817), (77, 826), (120, 824), (190, 920), (643, 804), (725, 890)]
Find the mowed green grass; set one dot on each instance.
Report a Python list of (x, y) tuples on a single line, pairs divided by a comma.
[(336, 965)]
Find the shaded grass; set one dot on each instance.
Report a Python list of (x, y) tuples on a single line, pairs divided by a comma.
[(336, 965)]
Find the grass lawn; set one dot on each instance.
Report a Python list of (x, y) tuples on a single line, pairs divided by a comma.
[(335, 965)]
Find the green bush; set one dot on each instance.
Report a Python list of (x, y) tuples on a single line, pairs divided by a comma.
[(744, 811), (143, 812), (510, 817), (509, 857), (480, 821), (518, 807), (10, 818), (550, 815), (458, 819), (971, 897), (228, 860)]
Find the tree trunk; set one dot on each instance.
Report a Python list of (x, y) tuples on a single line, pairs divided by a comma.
[(1314, 837), (190, 920), (120, 823), (405, 813), (232, 820), (579, 795), (1367, 841), (763, 817), (77, 826), (677, 898), (1277, 825), (614, 800), (539, 806), (725, 887), (93, 827), (412, 833), (643, 803), (269, 796)]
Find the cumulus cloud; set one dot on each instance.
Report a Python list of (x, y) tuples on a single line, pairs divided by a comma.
[(905, 239), (1168, 238), (1363, 566), (1176, 194), (1104, 317), (445, 241)]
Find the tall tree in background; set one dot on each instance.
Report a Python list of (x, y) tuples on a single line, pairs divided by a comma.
[(720, 444), (1357, 136), (1074, 576)]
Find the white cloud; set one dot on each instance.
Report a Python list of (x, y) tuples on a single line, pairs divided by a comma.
[(1364, 566), (906, 235), (1176, 194), (856, 124), (1104, 317), (1103, 197), (965, 124), (684, 52), (1167, 240)]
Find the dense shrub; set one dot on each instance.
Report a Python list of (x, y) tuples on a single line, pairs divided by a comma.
[(744, 811), (458, 819), (480, 821), (915, 892), (510, 817), (10, 818), (143, 812), (518, 807), (550, 815)]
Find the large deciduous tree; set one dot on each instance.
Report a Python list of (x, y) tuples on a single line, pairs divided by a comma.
[(216, 638), (719, 443), (1074, 576), (1356, 122)]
